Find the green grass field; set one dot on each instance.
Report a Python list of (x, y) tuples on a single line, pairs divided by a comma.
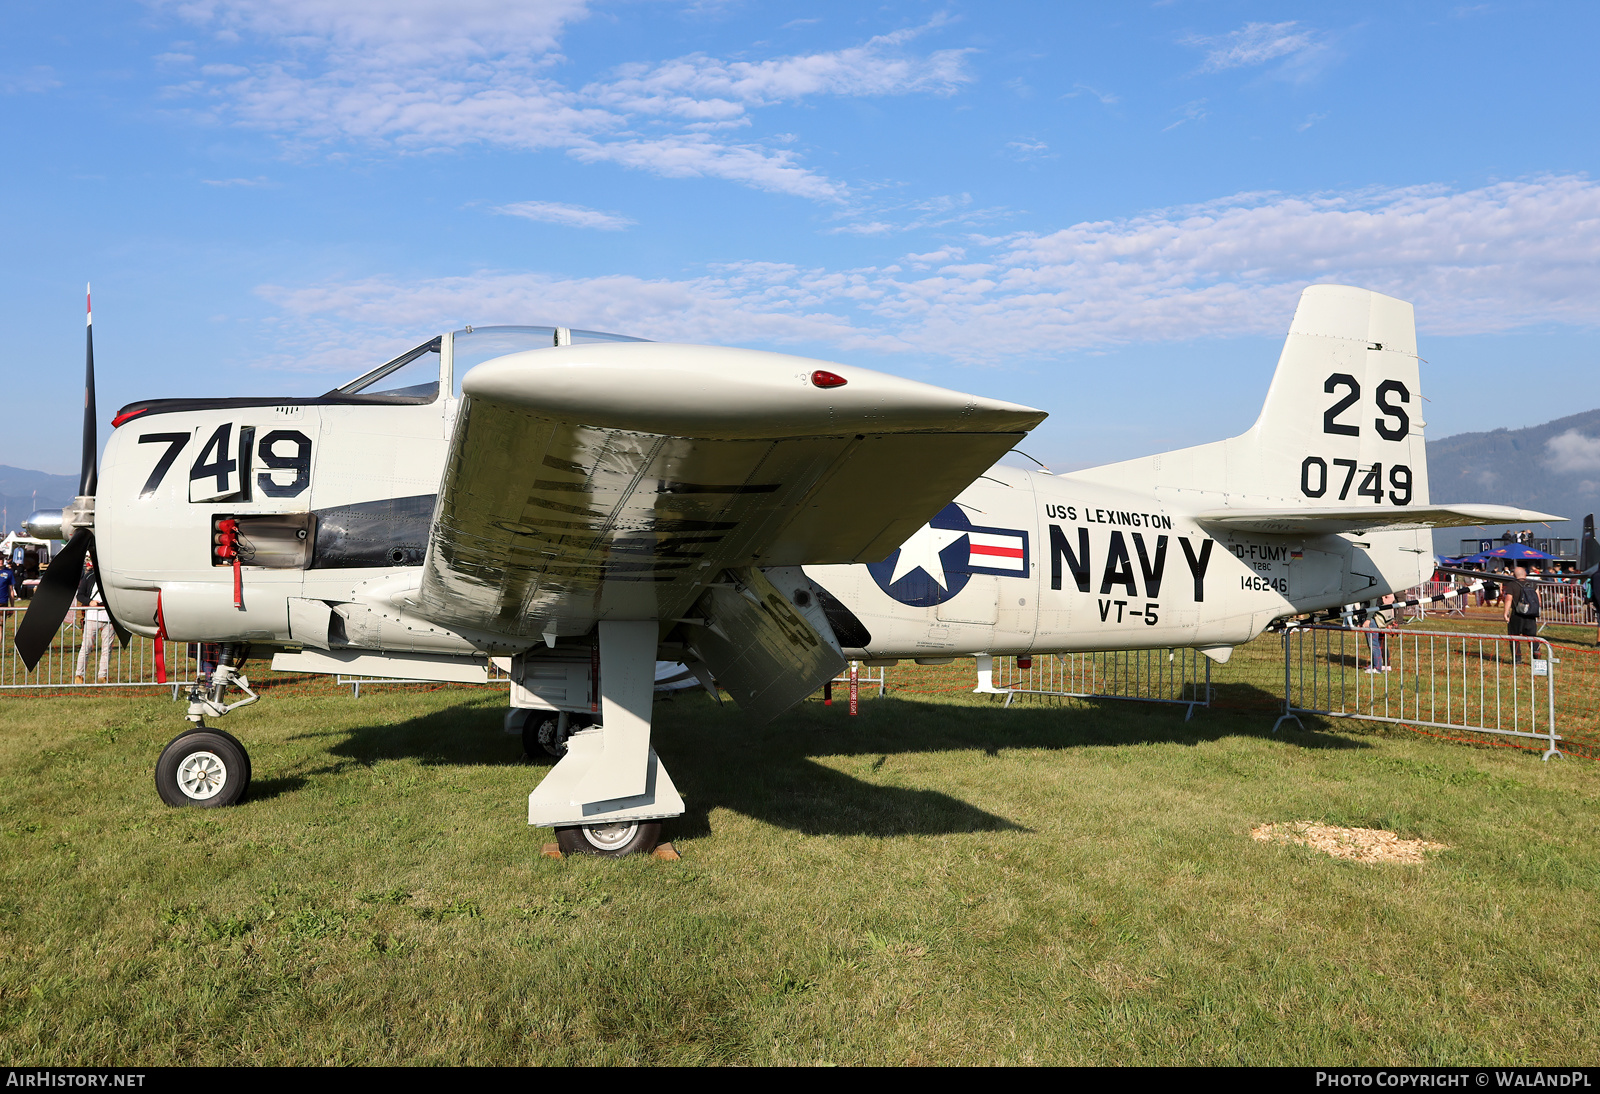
[(935, 881)]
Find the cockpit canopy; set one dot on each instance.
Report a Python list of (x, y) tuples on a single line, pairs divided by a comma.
[(414, 376)]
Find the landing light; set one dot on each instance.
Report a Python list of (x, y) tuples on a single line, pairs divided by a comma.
[(823, 378)]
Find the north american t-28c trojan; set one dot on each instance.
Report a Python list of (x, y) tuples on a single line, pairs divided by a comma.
[(583, 505)]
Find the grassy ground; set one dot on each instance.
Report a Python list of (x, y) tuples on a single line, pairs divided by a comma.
[(935, 881)]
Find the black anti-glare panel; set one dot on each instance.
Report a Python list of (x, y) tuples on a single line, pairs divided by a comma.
[(388, 532)]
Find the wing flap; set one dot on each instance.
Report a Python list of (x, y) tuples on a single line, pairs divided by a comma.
[(763, 650)]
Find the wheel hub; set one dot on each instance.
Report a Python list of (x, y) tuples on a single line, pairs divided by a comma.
[(609, 837), (202, 775)]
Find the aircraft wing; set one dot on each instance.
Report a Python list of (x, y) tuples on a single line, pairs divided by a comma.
[(617, 480), (1332, 521)]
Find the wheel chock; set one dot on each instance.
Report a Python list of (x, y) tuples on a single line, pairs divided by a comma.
[(664, 851)]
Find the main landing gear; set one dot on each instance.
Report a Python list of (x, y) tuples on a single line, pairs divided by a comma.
[(609, 793), (546, 732), (205, 766)]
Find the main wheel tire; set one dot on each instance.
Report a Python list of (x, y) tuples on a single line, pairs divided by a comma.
[(203, 767), (541, 732), (552, 738), (612, 840)]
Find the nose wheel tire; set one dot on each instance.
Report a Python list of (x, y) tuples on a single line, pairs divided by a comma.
[(612, 840), (204, 767)]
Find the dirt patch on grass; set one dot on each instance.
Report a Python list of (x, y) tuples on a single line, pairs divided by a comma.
[(1356, 844)]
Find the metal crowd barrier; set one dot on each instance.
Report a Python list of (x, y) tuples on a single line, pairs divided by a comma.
[(1181, 676), (131, 667), (1564, 602), (1475, 682), (1455, 605)]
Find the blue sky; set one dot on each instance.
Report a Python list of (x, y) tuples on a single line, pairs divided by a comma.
[(1104, 210)]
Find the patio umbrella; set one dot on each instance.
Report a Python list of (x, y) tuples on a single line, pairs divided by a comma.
[(1512, 551)]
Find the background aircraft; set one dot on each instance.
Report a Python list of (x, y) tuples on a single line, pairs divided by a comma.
[(582, 504)]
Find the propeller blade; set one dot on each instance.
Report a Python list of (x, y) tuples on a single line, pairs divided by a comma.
[(89, 475), (123, 635), (52, 600)]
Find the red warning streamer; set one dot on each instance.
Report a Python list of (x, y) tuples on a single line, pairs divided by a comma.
[(228, 548), (161, 642)]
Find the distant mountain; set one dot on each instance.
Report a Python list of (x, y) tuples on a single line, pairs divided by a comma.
[(1553, 468), (19, 488)]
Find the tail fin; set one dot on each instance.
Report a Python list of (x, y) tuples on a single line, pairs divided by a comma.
[(1343, 418), (1341, 427)]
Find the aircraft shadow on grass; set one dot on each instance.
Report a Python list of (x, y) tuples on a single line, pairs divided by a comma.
[(266, 789), (719, 760)]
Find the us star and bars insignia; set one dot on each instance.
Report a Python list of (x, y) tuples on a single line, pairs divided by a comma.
[(942, 556)]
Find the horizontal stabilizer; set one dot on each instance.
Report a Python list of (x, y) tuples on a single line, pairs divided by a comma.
[(1312, 522)]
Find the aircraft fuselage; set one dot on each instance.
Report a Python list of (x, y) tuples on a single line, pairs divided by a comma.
[(336, 500)]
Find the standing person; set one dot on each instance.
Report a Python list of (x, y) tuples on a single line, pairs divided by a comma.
[(1593, 597), (1377, 621), (1522, 613), (8, 584), (96, 624)]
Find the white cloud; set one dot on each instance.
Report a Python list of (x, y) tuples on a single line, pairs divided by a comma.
[(697, 86), (32, 81), (259, 180), (427, 75), (863, 228), (1572, 451), (1026, 151), (1192, 112), (1253, 44), (412, 30), (936, 258), (1029, 150), (1106, 98), (940, 211), (689, 155), (1491, 259), (569, 216)]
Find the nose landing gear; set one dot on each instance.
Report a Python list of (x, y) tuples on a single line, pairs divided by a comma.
[(204, 766)]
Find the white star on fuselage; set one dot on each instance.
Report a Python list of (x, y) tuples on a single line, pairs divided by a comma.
[(921, 552)]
